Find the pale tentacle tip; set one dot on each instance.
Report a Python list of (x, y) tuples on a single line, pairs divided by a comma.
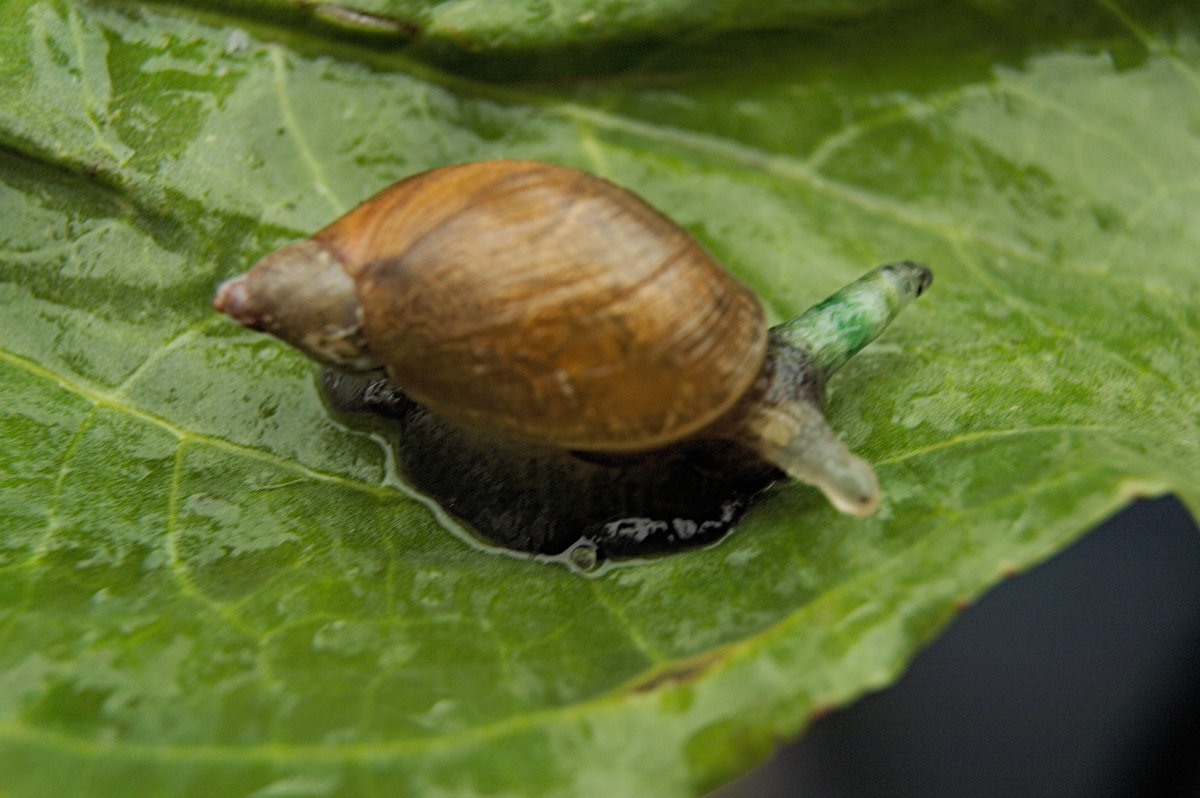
[(854, 488), (916, 277)]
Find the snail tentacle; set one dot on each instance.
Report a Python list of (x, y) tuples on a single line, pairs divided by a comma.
[(834, 330), (795, 436)]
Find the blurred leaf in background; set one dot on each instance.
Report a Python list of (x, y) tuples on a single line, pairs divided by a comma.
[(209, 588)]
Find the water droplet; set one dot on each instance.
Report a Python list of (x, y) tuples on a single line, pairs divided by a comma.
[(583, 556)]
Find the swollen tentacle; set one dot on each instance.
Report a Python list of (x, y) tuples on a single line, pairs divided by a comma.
[(831, 332)]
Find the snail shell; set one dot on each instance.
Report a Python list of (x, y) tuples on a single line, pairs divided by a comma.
[(533, 300)]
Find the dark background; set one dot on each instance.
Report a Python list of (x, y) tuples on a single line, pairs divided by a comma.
[(1080, 678)]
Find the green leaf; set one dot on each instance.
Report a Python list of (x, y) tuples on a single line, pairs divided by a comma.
[(209, 588)]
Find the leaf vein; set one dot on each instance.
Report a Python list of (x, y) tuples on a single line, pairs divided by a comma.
[(974, 436), (179, 569), (289, 118), (639, 641), (104, 399), (121, 391), (42, 546)]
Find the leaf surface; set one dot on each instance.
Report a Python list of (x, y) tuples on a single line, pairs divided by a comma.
[(207, 587)]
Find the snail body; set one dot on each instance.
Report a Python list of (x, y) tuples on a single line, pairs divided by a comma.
[(548, 306)]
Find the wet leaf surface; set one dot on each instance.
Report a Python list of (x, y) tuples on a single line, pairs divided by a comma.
[(209, 588)]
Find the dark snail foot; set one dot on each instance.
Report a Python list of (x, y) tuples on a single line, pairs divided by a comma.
[(540, 500)]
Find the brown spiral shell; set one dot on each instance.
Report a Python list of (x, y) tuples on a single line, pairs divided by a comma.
[(549, 305)]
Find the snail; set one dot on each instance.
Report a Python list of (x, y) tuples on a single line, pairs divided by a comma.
[(544, 305)]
